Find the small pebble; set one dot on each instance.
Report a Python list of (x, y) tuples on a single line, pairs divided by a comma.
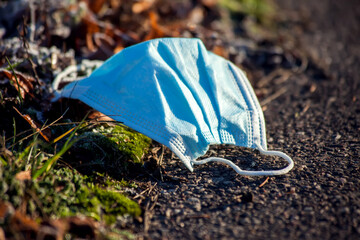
[(343, 180)]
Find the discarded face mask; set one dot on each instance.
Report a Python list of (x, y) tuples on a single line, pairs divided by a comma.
[(176, 92)]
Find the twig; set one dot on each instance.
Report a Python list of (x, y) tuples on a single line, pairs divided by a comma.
[(307, 106), (152, 187), (32, 21), (33, 66), (162, 155), (264, 182), (147, 216), (149, 189), (155, 201), (272, 97), (140, 194), (198, 216), (148, 212), (283, 78), (281, 72)]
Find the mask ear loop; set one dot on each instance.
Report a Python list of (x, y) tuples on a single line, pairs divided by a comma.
[(253, 173), (85, 66)]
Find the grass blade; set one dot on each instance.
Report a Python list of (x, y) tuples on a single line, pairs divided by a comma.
[(17, 81), (63, 135), (51, 161)]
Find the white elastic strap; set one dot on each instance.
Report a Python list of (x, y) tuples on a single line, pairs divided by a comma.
[(253, 173), (85, 66)]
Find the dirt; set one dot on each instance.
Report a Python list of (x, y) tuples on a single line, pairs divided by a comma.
[(316, 121)]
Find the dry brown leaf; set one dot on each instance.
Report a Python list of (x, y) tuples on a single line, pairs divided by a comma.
[(96, 5), (89, 42), (105, 44), (221, 51), (23, 81), (196, 15), (142, 6), (156, 30), (53, 229), (118, 48), (23, 175), (209, 3), (45, 133), (2, 234), (81, 226), (24, 224), (91, 22), (109, 30), (114, 4), (6, 211), (98, 116)]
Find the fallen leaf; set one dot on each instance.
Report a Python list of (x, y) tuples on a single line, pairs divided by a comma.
[(156, 30), (98, 116), (142, 6), (96, 5), (22, 223), (45, 133), (53, 229), (221, 51), (118, 48), (23, 175), (91, 22), (209, 3), (6, 211), (115, 4), (105, 44), (24, 83), (196, 15), (2, 234), (89, 42), (81, 226)]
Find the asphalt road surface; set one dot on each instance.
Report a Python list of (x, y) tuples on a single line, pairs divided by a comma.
[(315, 119)]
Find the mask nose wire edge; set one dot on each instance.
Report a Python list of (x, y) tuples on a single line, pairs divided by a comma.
[(253, 173)]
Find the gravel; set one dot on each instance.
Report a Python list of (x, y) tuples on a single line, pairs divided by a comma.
[(316, 121)]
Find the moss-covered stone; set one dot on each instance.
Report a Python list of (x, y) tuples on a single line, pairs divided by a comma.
[(110, 149), (130, 142)]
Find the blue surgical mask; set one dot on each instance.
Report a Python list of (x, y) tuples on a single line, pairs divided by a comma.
[(176, 92)]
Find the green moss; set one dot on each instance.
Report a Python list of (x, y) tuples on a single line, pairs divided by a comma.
[(104, 150), (65, 192), (110, 149), (106, 181), (262, 10), (115, 204), (128, 141)]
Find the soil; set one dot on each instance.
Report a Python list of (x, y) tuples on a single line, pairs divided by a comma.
[(316, 121)]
